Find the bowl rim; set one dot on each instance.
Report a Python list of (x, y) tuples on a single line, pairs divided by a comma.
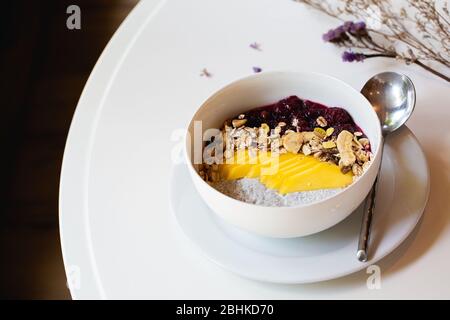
[(235, 82)]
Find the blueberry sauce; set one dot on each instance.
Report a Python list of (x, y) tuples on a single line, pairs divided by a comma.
[(300, 115)]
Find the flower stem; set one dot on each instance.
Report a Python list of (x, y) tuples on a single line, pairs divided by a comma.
[(417, 62), (432, 70)]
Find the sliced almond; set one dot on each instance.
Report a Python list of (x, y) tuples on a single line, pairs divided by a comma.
[(344, 145), (292, 141), (321, 121), (357, 170), (366, 165), (306, 150)]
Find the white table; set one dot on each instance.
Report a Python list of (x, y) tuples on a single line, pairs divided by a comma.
[(119, 236)]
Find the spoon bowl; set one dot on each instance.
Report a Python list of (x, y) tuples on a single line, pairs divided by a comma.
[(393, 98)]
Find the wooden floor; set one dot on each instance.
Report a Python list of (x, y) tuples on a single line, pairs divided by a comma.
[(44, 67)]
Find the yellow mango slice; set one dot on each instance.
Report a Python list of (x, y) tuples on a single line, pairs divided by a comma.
[(285, 173)]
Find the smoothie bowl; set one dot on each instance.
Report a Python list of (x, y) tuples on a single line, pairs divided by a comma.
[(284, 154)]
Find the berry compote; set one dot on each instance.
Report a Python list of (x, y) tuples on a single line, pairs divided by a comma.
[(300, 115)]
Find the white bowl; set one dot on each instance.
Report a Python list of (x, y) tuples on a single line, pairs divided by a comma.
[(270, 87)]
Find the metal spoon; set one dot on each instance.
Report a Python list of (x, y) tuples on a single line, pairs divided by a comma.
[(393, 98)]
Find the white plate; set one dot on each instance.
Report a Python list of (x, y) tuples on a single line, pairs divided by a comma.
[(402, 195)]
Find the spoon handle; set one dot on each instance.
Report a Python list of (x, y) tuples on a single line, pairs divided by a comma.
[(366, 226)]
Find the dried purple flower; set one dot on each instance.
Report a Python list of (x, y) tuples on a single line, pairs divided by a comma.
[(359, 26), (255, 46), (257, 69), (205, 73), (350, 56), (348, 25), (329, 36), (340, 34), (358, 29), (335, 35)]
